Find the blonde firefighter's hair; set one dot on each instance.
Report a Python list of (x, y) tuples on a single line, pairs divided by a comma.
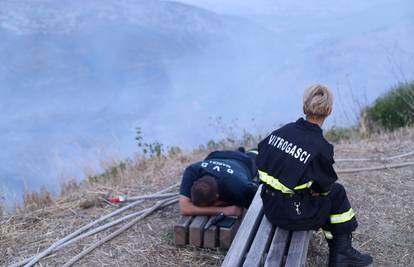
[(317, 101)]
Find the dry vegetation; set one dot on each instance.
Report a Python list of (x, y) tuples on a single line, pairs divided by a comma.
[(383, 200)]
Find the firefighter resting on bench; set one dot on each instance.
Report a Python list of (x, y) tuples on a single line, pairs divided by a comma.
[(221, 183), (300, 192)]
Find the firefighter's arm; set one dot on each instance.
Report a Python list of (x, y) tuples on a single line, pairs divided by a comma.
[(189, 209), (317, 190), (221, 203)]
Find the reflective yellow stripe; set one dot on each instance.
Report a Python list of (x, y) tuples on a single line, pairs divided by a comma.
[(304, 186), (343, 217), (273, 182), (328, 234), (326, 193)]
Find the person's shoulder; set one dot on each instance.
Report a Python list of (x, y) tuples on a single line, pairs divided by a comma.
[(326, 148), (286, 126), (193, 167), (283, 128), (195, 164), (283, 131), (226, 154)]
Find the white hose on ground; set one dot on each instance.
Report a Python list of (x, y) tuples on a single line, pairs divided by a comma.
[(152, 196), (121, 230), (377, 158), (388, 166), (47, 251), (89, 233)]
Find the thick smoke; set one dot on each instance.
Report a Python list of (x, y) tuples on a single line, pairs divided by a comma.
[(77, 77)]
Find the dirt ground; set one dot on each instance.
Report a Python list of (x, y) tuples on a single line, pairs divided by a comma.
[(383, 201)]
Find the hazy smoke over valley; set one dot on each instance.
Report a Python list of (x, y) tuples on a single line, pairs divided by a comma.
[(77, 77)]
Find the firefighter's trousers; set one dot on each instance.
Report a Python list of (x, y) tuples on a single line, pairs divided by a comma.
[(342, 217)]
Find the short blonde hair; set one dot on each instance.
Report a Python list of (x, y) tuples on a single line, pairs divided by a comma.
[(317, 101)]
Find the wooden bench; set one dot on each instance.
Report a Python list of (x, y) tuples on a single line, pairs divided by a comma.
[(191, 230), (259, 243)]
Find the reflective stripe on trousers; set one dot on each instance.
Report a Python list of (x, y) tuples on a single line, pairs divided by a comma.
[(343, 217), (328, 234)]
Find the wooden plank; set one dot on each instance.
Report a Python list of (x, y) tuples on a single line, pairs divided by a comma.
[(196, 230), (227, 234), (247, 231), (260, 245), (211, 235), (181, 231), (305, 248), (277, 248), (298, 249)]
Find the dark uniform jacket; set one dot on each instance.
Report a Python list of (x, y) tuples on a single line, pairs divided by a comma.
[(233, 172), (293, 159)]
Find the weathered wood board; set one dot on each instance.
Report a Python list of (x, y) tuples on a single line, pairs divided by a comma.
[(259, 243), (246, 233), (181, 231), (191, 230), (196, 230)]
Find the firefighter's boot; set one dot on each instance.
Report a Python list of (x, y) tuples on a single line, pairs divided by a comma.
[(342, 254)]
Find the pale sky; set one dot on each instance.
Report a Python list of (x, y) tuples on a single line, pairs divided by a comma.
[(294, 7)]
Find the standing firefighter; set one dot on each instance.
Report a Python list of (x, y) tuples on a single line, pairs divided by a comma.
[(300, 192)]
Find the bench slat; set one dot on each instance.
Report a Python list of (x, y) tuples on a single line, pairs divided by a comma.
[(211, 235), (298, 249), (196, 230), (277, 248), (260, 244), (246, 233), (181, 231), (227, 234)]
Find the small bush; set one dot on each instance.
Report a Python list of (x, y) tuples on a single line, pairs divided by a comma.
[(174, 150), (37, 200), (112, 173), (154, 149), (69, 187), (393, 110), (336, 134)]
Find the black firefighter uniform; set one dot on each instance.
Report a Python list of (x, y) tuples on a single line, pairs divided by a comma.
[(293, 161)]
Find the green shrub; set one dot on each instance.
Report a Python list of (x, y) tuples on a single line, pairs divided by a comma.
[(393, 110)]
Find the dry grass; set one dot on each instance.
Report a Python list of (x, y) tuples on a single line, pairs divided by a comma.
[(37, 200), (383, 200)]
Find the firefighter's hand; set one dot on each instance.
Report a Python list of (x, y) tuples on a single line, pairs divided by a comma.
[(232, 211), (314, 194)]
